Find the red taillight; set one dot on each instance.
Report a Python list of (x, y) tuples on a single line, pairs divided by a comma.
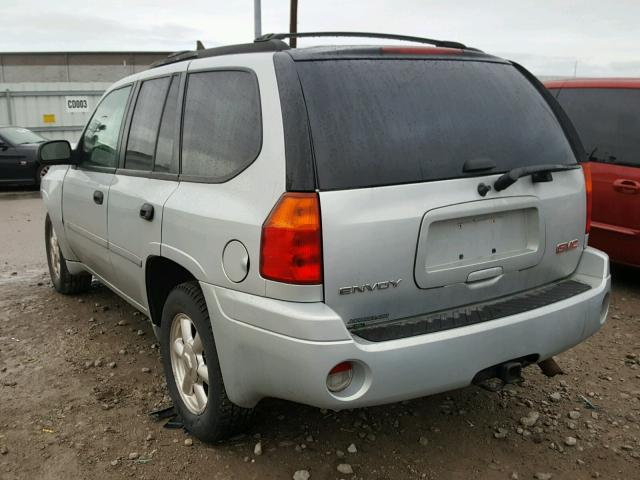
[(588, 185), (291, 248), (421, 50)]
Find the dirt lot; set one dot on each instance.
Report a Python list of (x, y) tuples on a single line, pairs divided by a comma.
[(79, 375)]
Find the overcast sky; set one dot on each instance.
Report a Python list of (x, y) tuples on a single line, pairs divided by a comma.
[(546, 36)]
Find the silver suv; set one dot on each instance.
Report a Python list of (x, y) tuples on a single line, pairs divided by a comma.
[(339, 226)]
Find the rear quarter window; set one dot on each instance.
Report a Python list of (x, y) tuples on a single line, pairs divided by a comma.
[(607, 120), (222, 125), (386, 122)]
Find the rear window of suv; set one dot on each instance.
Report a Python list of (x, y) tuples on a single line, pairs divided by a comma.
[(387, 122), (608, 121), (222, 124)]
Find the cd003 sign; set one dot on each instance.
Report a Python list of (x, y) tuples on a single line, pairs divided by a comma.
[(77, 104)]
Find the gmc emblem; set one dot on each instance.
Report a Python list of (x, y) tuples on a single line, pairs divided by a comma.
[(566, 246)]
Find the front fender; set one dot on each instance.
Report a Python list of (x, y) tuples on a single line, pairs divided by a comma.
[(51, 193)]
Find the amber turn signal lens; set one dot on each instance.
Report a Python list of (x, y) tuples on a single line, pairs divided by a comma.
[(291, 247)]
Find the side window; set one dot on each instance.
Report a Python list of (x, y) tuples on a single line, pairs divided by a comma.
[(164, 161), (222, 125), (144, 124), (607, 120), (100, 140)]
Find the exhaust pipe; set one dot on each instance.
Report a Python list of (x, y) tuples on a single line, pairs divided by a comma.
[(496, 377), (510, 372), (550, 368)]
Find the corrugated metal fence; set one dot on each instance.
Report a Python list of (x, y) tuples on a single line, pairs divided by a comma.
[(56, 110)]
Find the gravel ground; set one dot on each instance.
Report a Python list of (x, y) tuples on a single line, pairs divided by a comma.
[(79, 375)]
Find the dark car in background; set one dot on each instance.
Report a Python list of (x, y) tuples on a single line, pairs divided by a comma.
[(606, 113), (18, 156)]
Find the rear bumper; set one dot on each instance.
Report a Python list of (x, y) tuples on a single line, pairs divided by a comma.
[(271, 348)]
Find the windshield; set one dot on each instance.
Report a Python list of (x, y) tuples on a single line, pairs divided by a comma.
[(20, 136), (387, 122)]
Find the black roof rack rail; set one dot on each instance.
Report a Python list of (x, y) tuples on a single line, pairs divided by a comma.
[(438, 43), (274, 45)]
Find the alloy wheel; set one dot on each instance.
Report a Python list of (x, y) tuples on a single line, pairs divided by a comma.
[(189, 364)]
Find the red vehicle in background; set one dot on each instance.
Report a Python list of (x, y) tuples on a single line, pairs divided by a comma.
[(606, 114)]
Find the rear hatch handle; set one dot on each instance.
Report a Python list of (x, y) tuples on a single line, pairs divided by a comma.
[(539, 173)]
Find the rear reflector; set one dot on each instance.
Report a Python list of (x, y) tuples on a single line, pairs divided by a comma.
[(421, 50), (291, 247), (588, 185), (340, 377)]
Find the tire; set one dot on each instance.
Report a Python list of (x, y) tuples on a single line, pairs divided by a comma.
[(217, 418), (63, 281)]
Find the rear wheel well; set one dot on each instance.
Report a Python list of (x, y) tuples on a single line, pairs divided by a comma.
[(161, 276)]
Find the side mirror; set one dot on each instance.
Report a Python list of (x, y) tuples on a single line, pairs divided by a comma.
[(3, 146), (55, 152)]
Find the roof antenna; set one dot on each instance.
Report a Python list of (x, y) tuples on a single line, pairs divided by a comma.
[(199, 45)]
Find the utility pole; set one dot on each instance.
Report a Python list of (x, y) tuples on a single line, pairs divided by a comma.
[(257, 19), (293, 23)]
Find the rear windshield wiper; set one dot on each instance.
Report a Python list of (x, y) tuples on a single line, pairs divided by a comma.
[(540, 173)]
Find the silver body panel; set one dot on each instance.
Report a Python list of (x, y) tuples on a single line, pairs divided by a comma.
[(132, 240), (51, 192), (200, 218), (85, 221), (374, 235)]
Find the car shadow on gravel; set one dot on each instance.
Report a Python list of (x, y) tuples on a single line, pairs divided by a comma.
[(16, 193), (19, 189), (625, 276)]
